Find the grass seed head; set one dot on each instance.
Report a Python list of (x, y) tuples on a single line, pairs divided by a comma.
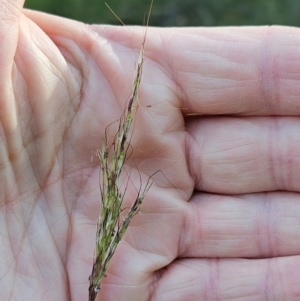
[(110, 227)]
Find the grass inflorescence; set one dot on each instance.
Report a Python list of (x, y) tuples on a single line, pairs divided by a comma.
[(111, 227)]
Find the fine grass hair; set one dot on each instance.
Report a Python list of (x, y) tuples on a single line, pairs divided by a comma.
[(111, 227)]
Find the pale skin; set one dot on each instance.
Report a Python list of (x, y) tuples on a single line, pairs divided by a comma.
[(221, 223)]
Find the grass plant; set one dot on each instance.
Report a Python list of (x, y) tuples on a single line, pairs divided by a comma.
[(111, 227)]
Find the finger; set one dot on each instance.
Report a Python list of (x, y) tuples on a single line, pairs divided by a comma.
[(242, 70), (252, 71), (274, 279), (258, 225), (243, 155)]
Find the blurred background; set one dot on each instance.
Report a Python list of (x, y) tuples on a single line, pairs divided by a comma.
[(176, 12)]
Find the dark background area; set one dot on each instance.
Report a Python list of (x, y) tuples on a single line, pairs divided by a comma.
[(177, 12)]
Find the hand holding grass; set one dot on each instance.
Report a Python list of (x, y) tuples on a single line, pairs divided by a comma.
[(223, 221)]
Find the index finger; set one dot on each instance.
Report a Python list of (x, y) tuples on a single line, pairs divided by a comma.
[(224, 70), (245, 70)]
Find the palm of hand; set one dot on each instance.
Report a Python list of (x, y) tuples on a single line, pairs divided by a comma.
[(68, 83), (64, 97)]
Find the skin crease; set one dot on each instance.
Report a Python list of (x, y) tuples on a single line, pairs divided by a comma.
[(221, 223)]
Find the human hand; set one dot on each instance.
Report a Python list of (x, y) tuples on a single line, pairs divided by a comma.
[(217, 115)]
